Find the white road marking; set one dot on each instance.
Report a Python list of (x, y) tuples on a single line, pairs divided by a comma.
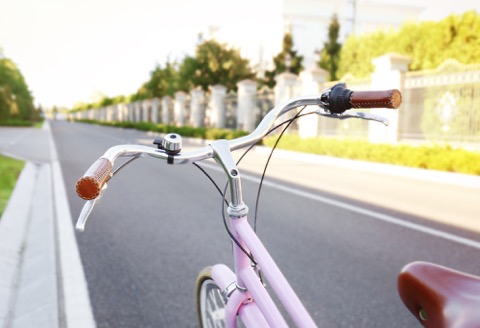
[(359, 210), (78, 311)]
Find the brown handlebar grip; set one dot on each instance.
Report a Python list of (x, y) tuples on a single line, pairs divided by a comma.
[(376, 99), (89, 186)]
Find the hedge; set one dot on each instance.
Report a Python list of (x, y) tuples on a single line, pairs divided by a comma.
[(435, 157), (184, 131)]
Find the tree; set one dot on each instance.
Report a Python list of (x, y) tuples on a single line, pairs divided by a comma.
[(330, 54), (286, 60), (16, 101), (213, 63), (428, 44), (163, 82)]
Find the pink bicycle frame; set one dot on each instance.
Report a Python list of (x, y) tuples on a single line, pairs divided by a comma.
[(250, 300)]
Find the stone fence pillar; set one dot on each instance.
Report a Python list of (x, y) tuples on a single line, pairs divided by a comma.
[(166, 103), (138, 110), (180, 108), (101, 114), (197, 107), (286, 87), (146, 110), (116, 112), (311, 82), (219, 109), (122, 112), (247, 107), (130, 112), (389, 73), (155, 110), (109, 114)]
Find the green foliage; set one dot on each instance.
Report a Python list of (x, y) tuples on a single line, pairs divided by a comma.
[(428, 44), (9, 170), (214, 63), (184, 131), (188, 68), (163, 82), (103, 102), (16, 101), (15, 122), (280, 62), (443, 158), (330, 54)]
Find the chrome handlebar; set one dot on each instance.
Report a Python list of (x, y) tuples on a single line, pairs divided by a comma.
[(223, 157)]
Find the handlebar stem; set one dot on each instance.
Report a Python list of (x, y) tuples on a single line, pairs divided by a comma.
[(223, 156)]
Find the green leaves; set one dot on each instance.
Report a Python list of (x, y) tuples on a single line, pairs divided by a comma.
[(428, 44), (330, 54), (286, 60), (9, 170), (184, 131), (16, 101), (436, 157), (215, 63)]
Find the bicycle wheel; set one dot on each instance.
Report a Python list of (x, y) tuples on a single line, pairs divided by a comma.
[(210, 303)]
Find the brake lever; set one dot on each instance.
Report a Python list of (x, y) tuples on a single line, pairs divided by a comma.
[(86, 210), (360, 115)]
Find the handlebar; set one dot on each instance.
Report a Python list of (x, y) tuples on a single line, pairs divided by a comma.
[(89, 186), (335, 101), (376, 99)]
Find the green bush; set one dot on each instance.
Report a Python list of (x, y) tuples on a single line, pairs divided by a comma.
[(16, 123), (427, 43), (184, 131), (437, 157)]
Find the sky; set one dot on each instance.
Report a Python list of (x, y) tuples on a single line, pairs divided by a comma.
[(73, 51), (78, 50)]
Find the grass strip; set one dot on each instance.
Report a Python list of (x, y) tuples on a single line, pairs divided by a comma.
[(9, 171)]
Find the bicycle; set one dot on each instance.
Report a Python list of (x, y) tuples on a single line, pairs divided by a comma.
[(223, 295)]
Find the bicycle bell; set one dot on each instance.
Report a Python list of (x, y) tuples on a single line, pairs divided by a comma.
[(172, 143)]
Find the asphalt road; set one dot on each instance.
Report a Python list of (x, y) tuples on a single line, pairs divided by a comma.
[(157, 226)]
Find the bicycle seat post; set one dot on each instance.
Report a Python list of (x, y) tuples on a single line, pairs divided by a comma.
[(223, 156)]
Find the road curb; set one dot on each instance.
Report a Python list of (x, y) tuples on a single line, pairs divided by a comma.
[(42, 283), (36, 300), (13, 229)]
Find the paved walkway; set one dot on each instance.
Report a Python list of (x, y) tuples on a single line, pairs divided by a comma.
[(41, 278)]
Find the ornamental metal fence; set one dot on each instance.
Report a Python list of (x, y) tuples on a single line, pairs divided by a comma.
[(442, 105)]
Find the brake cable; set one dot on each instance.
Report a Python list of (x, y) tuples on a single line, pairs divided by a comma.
[(223, 194)]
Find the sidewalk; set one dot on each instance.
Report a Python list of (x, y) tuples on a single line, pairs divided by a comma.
[(41, 278)]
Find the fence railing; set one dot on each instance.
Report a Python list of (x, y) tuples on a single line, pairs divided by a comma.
[(441, 105)]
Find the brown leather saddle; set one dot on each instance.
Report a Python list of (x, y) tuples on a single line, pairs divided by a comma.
[(440, 297)]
